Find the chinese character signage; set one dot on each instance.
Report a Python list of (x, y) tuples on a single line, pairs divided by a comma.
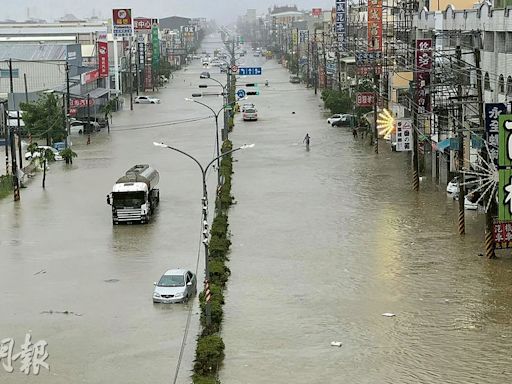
[(403, 135), (103, 58), (141, 50), (89, 77), (492, 114), (505, 168), (316, 12), (341, 24), (81, 103), (374, 25), (503, 234), (365, 99), (155, 58), (423, 67), (142, 24), (122, 22), (303, 36)]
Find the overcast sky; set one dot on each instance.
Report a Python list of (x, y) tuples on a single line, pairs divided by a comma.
[(222, 10)]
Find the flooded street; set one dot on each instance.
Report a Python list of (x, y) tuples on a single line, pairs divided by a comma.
[(324, 242)]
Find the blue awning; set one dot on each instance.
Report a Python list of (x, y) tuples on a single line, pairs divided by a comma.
[(442, 145)]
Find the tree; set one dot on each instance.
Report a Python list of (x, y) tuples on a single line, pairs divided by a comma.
[(68, 154), (45, 156), (44, 118)]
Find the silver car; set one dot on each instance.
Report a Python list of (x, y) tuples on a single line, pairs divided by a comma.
[(146, 100), (175, 286)]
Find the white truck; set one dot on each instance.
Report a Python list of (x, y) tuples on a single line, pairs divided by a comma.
[(134, 196)]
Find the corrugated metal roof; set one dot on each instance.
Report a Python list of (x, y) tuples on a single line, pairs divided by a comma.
[(38, 52)]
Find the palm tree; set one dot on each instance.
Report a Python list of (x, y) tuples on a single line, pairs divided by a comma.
[(45, 156), (68, 154)]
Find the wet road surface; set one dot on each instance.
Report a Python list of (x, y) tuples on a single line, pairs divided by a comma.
[(105, 274), (327, 240)]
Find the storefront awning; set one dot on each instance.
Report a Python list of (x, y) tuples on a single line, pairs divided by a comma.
[(442, 145)]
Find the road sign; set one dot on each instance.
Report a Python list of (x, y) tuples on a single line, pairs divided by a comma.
[(240, 93), (248, 71), (234, 68)]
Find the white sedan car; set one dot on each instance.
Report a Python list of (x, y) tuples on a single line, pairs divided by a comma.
[(146, 100), (334, 118), (175, 286), (40, 148)]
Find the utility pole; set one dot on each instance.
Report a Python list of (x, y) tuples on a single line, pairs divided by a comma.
[(308, 72), (3, 121), (375, 101), (324, 60), (68, 106), (26, 88), (490, 246), (315, 63), (130, 75), (15, 181), (338, 67), (460, 124), (415, 145)]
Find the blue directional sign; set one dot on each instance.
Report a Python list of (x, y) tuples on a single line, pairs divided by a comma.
[(240, 93), (249, 71)]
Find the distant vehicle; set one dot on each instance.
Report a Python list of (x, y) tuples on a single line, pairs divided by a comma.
[(334, 118), (195, 57), (256, 54), (204, 75), (453, 185), (175, 286), (470, 200), (59, 145), (346, 120), (248, 106), (134, 196), (216, 63), (294, 79), (250, 114), (40, 148), (146, 100)]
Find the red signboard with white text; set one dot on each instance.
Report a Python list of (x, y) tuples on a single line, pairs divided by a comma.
[(142, 24), (102, 58), (81, 103), (365, 99), (422, 74), (316, 12), (89, 77), (374, 25)]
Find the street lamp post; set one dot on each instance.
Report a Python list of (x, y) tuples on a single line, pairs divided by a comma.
[(216, 115), (204, 204)]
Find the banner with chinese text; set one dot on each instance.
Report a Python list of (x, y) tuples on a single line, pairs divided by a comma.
[(374, 25), (341, 24), (423, 68)]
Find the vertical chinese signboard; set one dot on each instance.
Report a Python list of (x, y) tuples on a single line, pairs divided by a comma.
[(423, 68), (505, 168), (341, 24), (403, 135), (503, 234), (374, 25), (103, 58), (122, 22), (492, 114), (155, 41)]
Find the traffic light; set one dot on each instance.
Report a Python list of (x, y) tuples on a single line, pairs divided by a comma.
[(253, 93), (251, 85)]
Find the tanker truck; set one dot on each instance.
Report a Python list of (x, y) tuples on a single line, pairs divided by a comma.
[(134, 196)]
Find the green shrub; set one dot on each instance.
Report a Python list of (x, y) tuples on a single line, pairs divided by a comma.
[(5, 185), (219, 272), (200, 379), (209, 355), (218, 247)]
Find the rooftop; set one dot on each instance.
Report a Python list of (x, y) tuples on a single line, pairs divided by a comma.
[(38, 52)]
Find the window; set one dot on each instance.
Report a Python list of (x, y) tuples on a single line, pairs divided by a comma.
[(487, 82), (500, 42), (489, 41), (501, 84), (509, 85)]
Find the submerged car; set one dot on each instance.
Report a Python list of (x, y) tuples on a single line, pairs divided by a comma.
[(40, 148), (146, 100), (250, 114), (294, 79), (453, 185), (175, 286), (334, 118)]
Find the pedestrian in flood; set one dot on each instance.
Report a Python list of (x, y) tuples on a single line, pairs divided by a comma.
[(354, 132), (306, 140)]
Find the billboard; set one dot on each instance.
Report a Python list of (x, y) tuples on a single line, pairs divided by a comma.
[(374, 25), (365, 99), (404, 135), (341, 24), (122, 22), (103, 58), (155, 41), (142, 24), (423, 68), (492, 114), (316, 12), (505, 168)]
